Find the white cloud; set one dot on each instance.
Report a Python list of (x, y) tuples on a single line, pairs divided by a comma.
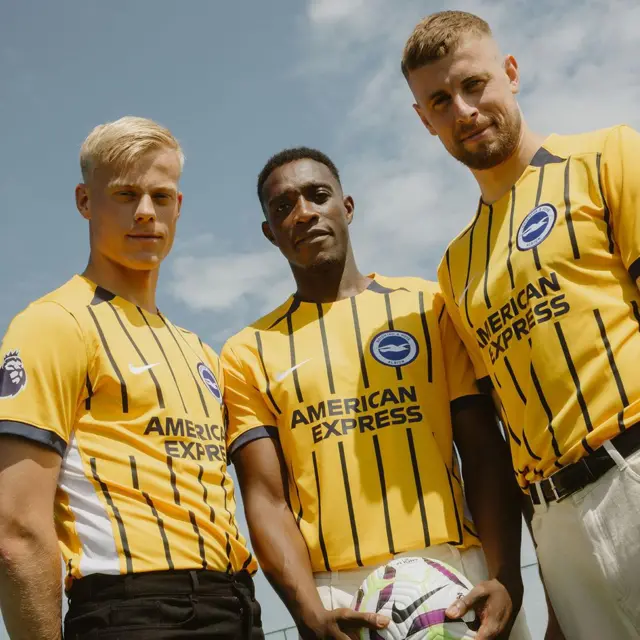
[(578, 63), (332, 11), (222, 282), (578, 72)]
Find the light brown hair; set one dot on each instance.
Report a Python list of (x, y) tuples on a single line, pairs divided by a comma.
[(437, 35)]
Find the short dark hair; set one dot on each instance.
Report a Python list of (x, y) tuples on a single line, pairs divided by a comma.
[(437, 35), (291, 155)]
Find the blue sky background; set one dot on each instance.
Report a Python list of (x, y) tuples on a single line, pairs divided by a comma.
[(238, 81)]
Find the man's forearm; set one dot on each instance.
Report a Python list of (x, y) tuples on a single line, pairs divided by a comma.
[(30, 586), (284, 558), (494, 500)]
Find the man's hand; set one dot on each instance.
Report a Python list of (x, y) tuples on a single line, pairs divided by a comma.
[(492, 604), (281, 549), (341, 624)]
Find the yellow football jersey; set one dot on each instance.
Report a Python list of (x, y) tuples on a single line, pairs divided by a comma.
[(358, 393), (541, 287), (133, 404)]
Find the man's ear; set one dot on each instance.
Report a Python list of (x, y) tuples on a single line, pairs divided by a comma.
[(513, 73), (268, 234), (350, 207), (82, 201)]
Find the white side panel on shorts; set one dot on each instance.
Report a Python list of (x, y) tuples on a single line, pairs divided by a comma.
[(93, 525)]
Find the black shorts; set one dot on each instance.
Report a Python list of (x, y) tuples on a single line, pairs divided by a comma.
[(167, 605)]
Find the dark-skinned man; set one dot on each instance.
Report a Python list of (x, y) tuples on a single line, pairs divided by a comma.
[(344, 404)]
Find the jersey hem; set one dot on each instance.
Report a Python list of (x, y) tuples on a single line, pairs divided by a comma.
[(257, 433), (35, 434), (469, 542)]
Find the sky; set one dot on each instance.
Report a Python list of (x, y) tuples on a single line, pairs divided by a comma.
[(237, 82)]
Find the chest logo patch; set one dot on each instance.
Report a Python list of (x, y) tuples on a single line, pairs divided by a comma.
[(13, 377), (536, 226), (210, 381), (394, 348)]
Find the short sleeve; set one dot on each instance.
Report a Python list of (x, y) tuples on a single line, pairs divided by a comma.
[(248, 416), (461, 377), (621, 191), (43, 374), (472, 350)]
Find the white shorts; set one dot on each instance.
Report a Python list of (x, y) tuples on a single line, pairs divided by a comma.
[(338, 588), (588, 548)]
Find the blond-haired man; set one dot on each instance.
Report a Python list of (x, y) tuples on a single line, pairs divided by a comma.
[(112, 427), (542, 287)]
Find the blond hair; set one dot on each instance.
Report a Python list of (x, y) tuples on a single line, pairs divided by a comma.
[(119, 144), (437, 35)]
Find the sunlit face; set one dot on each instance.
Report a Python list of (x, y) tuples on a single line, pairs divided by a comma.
[(133, 214), (467, 99), (307, 214)]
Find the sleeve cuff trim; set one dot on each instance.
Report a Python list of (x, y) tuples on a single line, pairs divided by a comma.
[(249, 436), (35, 434)]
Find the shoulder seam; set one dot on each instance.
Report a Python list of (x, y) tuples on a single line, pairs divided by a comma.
[(76, 321), (90, 357)]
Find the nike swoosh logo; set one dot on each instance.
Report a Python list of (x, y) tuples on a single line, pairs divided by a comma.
[(400, 615), (282, 375), (138, 370)]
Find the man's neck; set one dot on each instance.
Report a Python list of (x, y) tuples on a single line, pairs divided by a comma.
[(138, 287), (330, 282), (497, 181)]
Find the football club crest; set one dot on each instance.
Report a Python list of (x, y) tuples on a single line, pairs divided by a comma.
[(394, 348), (210, 381), (536, 226), (13, 377)]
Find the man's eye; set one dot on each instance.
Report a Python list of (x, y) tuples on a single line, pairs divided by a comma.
[(322, 196)]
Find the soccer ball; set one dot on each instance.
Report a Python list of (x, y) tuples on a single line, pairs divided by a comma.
[(415, 593)]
